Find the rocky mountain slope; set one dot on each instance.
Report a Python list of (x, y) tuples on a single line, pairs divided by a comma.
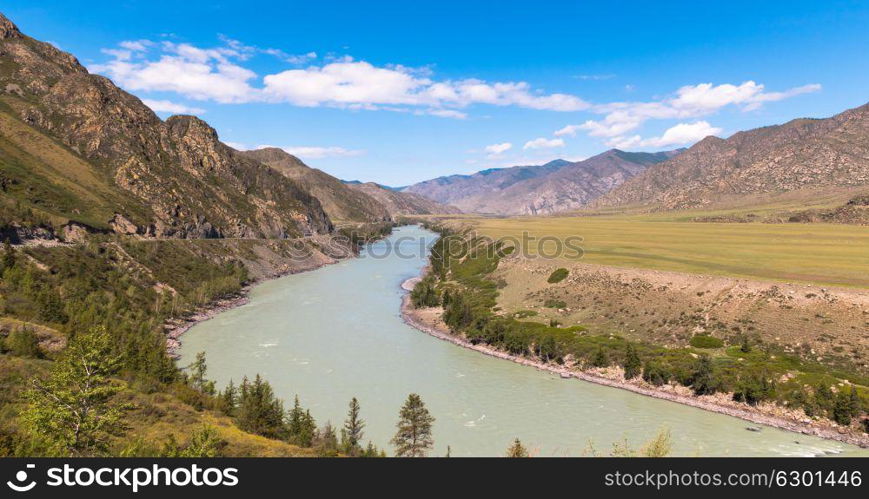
[(402, 203), (810, 155), (75, 147), (341, 202), (554, 187), (453, 189)]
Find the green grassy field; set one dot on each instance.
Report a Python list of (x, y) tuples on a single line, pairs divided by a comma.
[(825, 254)]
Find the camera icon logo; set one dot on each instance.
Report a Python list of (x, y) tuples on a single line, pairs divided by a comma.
[(18, 485)]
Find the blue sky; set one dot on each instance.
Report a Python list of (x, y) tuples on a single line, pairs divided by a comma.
[(398, 92)]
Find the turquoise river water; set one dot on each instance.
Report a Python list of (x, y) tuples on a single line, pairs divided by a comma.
[(336, 332)]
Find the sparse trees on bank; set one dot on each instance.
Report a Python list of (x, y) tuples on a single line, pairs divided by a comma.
[(414, 435)]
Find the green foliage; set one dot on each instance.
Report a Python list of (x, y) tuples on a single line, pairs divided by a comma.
[(557, 275), (326, 441), (413, 437), (753, 388), (424, 293), (301, 427), (73, 410), (352, 433), (23, 342), (600, 358), (553, 303), (705, 341), (655, 373), (204, 442), (632, 363), (259, 411), (704, 381)]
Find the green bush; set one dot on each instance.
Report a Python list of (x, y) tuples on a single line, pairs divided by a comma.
[(557, 275), (706, 341), (553, 303)]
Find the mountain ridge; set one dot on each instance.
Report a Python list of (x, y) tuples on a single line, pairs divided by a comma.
[(552, 187), (804, 154)]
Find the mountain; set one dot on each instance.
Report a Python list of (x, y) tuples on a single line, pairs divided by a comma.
[(403, 203), (809, 156), (76, 148), (554, 187), (453, 189), (341, 201)]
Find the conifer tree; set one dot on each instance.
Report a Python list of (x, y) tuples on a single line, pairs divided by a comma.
[(632, 363), (517, 450), (414, 435), (353, 429)]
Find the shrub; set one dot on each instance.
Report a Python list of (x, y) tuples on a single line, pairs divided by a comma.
[(557, 275), (706, 341), (23, 343), (553, 303)]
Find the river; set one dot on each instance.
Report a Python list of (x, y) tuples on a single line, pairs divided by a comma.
[(336, 332)]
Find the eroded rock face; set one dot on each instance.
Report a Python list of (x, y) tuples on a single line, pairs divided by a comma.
[(185, 182), (801, 155)]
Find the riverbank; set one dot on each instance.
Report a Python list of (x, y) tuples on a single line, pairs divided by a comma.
[(428, 321)]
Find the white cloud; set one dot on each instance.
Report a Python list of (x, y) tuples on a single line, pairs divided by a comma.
[(683, 133), (496, 149), (216, 74), (165, 106), (543, 143), (315, 152), (690, 101), (445, 113), (200, 74), (136, 45)]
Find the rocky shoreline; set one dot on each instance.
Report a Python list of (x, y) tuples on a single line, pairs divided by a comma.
[(767, 414)]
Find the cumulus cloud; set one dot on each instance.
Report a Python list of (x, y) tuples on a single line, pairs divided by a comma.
[(496, 149), (316, 152), (196, 73), (683, 133), (543, 143), (165, 106), (217, 74), (690, 101)]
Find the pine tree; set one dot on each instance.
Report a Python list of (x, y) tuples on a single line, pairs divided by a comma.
[(229, 399), (197, 372), (301, 425), (73, 410), (414, 437), (517, 450), (258, 410), (352, 433), (326, 442), (632, 363)]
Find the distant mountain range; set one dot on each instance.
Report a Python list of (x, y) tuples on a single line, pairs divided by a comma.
[(803, 155), (539, 189), (76, 149)]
